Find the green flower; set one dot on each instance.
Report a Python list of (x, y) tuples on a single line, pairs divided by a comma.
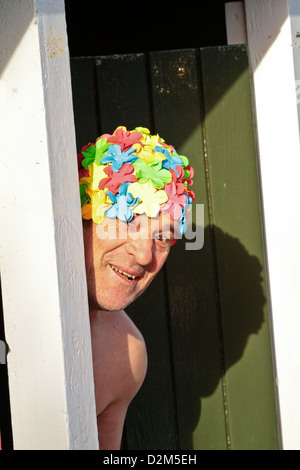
[(152, 171), (94, 153), (85, 199), (185, 160)]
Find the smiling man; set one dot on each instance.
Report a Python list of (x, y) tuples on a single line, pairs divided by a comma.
[(134, 196)]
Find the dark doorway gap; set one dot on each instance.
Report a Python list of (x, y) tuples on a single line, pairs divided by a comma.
[(99, 29)]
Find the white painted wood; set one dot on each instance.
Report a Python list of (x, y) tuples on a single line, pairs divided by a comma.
[(235, 23), (41, 246), (269, 39), (294, 8)]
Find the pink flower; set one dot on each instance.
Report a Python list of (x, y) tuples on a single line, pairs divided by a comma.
[(176, 201), (115, 179), (125, 139)]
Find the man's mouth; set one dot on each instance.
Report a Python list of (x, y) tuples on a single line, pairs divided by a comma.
[(128, 276)]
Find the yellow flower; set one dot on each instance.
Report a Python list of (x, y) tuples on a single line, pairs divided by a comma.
[(96, 175), (100, 202), (150, 198), (152, 140), (142, 130), (147, 153)]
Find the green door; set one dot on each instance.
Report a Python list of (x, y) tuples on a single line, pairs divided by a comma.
[(205, 318)]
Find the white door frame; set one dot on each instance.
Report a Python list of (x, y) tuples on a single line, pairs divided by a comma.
[(41, 245)]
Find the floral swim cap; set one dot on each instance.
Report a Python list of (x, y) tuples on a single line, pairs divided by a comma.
[(134, 172)]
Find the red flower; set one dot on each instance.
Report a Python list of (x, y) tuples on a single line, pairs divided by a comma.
[(115, 179), (176, 201), (191, 194), (186, 180), (81, 171), (191, 172), (124, 138)]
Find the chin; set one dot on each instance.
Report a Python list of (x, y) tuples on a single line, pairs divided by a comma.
[(113, 305)]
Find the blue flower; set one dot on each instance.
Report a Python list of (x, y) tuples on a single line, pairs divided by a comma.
[(182, 222), (115, 156), (122, 203), (189, 201), (170, 162), (183, 219)]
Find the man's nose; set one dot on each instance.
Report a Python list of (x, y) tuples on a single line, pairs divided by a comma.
[(142, 250)]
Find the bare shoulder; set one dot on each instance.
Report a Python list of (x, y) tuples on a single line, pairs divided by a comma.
[(119, 358)]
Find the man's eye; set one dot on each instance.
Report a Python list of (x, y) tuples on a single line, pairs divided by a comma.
[(163, 238)]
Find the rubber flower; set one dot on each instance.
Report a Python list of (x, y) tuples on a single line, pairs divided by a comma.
[(152, 140), (84, 197), (122, 204), (94, 152), (147, 153), (182, 222), (96, 174), (115, 156), (176, 201), (148, 139), (134, 172), (81, 171), (183, 218), (124, 138), (185, 160), (97, 207), (143, 130), (150, 199), (190, 194), (88, 153), (185, 175), (114, 179), (152, 171), (169, 162)]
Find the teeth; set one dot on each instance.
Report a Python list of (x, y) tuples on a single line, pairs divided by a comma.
[(130, 276)]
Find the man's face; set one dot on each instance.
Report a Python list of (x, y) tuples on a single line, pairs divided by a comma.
[(122, 259)]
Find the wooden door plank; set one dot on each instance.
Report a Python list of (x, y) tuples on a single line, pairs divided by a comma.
[(123, 91), (190, 274), (235, 204), (84, 100)]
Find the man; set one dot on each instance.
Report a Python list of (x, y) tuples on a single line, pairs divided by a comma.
[(134, 196)]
